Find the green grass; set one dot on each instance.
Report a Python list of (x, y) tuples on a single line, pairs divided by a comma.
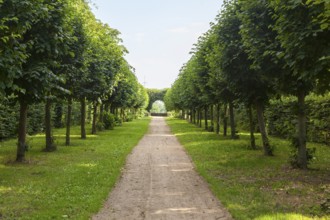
[(253, 186), (72, 182)]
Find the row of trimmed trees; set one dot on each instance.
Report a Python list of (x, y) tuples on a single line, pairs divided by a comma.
[(255, 51), (57, 50)]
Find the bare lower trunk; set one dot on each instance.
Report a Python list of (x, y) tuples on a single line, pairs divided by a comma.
[(252, 138), (232, 121), (191, 116), (212, 118), (101, 112), (68, 122), (225, 120), (200, 118), (122, 113), (301, 131), (206, 125), (194, 116), (265, 142), (50, 146), (83, 118), (94, 118), (218, 118), (21, 145)]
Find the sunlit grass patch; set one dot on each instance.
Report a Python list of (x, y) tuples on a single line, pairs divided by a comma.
[(72, 182), (253, 186), (289, 216)]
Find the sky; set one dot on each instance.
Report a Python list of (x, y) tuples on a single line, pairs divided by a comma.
[(159, 34)]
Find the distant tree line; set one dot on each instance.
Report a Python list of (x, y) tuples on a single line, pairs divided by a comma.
[(255, 52), (56, 53)]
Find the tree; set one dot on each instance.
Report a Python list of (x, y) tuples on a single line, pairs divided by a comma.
[(43, 41), (73, 64), (303, 32), (260, 44)]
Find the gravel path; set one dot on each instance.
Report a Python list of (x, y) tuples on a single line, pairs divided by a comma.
[(159, 182)]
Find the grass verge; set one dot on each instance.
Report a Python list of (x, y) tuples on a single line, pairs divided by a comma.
[(252, 186), (71, 183)]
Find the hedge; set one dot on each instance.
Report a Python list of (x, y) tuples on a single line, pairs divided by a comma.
[(281, 118), (9, 115)]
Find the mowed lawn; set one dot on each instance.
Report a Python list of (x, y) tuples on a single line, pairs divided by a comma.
[(71, 183), (253, 186)]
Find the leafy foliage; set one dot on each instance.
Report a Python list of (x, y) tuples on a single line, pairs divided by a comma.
[(257, 51), (58, 51)]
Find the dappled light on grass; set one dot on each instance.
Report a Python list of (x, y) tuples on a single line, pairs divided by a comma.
[(72, 181), (87, 165), (253, 186), (182, 134), (288, 216), (63, 136), (4, 189)]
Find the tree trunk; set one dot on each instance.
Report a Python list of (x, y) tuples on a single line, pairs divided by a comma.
[(205, 118), (191, 116), (212, 118), (232, 121), (200, 118), (122, 114), (101, 112), (252, 138), (21, 146), (68, 122), (194, 115), (94, 118), (50, 146), (83, 118), (301, 130), (265, 142), (218, 118), (225, 120)]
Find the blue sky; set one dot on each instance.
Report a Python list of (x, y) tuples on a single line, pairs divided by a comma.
[(158, 34)]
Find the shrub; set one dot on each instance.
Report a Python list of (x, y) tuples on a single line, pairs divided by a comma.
[(118, 121), (100, 126), (108, 120), (129, 117)]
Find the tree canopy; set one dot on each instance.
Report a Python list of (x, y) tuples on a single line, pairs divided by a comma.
[(256, 51), (58, 50)]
